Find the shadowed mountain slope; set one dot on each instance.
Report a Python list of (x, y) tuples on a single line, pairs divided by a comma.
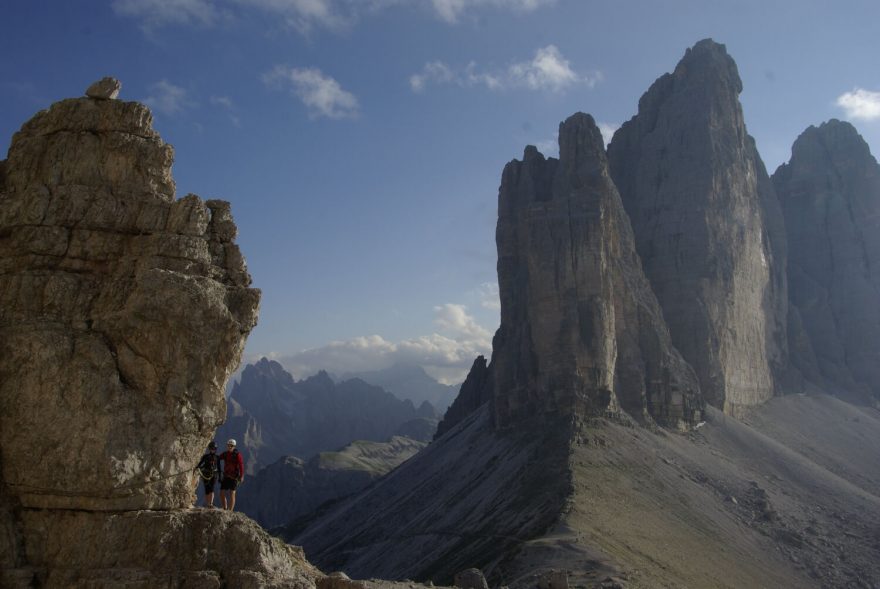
[(830, 193)]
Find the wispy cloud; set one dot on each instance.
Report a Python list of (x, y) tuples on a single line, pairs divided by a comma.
[(226, 104), (301, 15), (860, 104), (155, 13), (167, 98), (322, 95), (488, 292), (447, 353), (548, 71), (452, 10)]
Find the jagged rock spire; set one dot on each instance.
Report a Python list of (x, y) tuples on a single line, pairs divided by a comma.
[(581, 333), (708, 227), (830, 194)]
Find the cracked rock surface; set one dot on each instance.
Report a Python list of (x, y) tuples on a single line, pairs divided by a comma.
[(122, 313)]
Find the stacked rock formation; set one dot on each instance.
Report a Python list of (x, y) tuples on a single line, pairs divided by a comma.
[(830, 194), (581, 332), (122, 314), (708, 227)]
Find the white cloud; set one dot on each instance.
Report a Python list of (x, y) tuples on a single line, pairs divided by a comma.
[(434, 71), (448, 354), (455, 319), (548, 71), (153, 13), (167, 98), (451, 10), (607, 130), (860, 104), (322, 95)]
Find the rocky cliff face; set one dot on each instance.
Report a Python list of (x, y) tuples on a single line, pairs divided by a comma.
[(118, 303), (475, 391), (708, 227), (581, 338), (830, 193), (581, 332), (271, 415), (122, 313)]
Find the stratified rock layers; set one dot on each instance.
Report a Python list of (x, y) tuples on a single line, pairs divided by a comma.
[(581, 332), (830, 194), (708, 227), (122, 313)]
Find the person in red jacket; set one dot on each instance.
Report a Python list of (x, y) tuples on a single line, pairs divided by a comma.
[(233, 474)]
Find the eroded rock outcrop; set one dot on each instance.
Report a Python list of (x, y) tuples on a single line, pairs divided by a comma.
[(708, 227), (122, 313), (581, 332), (830, 193)]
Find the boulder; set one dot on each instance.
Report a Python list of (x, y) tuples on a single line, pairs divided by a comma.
[(471, 579), (104, 89)]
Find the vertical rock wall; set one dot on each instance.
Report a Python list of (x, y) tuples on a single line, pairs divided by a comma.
[(122, 313), (707, 227), (581, 333), (830, 193)]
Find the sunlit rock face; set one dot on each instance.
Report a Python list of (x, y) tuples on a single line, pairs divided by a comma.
[(708, 227), (830, 194), (581, 332), (122, 313)]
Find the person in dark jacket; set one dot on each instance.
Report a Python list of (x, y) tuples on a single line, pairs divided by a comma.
[(233, 475), (209, 470)]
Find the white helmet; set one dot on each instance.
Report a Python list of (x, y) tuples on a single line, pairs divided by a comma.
[(230, 442)]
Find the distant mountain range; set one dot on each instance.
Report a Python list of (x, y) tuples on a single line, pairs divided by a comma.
[(290, 487), (410, 381), (271, 415)]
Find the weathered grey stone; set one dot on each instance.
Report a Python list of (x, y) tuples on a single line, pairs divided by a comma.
[(475, 390), (581, 332), (145, 549), (122, 313), (830, 193), (708, 227), (471, 579), (104, 89)]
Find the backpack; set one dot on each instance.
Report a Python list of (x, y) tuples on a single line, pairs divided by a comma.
[(232, 469)]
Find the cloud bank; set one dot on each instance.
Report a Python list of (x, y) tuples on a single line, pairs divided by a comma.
[(447, 355)]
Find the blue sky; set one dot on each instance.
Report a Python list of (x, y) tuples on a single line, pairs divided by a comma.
[(361, 142)]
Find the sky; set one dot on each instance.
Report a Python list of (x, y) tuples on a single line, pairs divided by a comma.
[(361, 142)]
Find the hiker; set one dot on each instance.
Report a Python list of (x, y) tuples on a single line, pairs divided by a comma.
[(233, 475), (209, 470)]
